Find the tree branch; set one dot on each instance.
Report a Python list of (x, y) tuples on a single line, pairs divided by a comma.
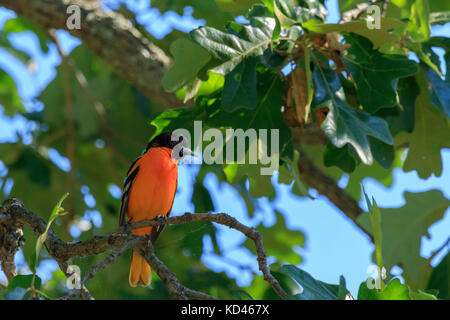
[(14, 213), (175, 288), (355, 13), (110, 36), (227, 220), (11, 238), (13, 216), (384, 8)]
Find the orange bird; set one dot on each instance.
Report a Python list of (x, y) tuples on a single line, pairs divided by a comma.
[(148, 192)]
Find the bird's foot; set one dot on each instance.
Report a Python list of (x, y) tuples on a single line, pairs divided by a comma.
[(127, 227), (161, 219)]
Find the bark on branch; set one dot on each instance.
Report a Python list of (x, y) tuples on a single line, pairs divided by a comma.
[(14, 213), (110, 36)]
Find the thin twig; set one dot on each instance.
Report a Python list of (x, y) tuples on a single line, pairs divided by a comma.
[(384, 8)]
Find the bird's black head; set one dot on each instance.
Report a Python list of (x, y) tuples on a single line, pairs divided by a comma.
[(167, 140)]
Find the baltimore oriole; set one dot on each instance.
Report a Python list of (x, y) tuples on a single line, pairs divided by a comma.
[(148, 192)]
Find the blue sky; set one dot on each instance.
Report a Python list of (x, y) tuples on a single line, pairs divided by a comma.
[(334, 246)]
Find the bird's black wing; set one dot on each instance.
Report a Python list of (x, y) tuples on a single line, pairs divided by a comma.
[(126, 192), (157, 230)]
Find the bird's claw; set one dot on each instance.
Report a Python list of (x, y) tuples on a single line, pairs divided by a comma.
[(127, 227), (161, 219)]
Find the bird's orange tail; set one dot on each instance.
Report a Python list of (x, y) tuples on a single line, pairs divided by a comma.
[(140, 272)]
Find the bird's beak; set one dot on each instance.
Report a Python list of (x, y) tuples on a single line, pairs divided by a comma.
[(188, 152)]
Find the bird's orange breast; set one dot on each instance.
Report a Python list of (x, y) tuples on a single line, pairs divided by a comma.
[(153, 188)]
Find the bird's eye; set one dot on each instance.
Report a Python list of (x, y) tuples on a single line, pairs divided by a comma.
[(180, 139)]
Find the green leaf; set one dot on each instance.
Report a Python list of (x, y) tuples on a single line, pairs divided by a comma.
[(431, 134), (299, 188), (375, 171), (381, 38), (375, 74), (343, 124), (189, 91), (394, 290), (317, 8), (375, 221), (421, 295), (439, 88), (57, 210), (215, 12), (198, 87), (288, 14), (279, 241), (283, 10), (214, 83), (235, 56), (35, 165), (192, 240), (201, 199), (259, 185), (342, 291), (266, 116), (189, 59), (242, 295), (314, 289), (85, 117), (413, 219), (382, 152), (24, 281), (231, 49), (239, 90), (425, 55), (20, 24), (9, 97), (23, 56), (442, 42), (401, 117), (344, 158), (260, 289), (418, 26), (440, 278)]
